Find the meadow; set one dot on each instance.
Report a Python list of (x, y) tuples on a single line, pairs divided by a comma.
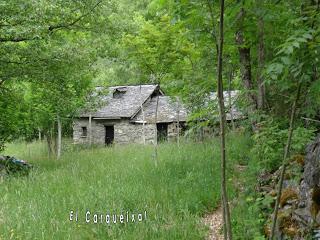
[(176, 194)]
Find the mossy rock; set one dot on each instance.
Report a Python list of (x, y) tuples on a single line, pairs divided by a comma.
[(288, 225), (288, 194)]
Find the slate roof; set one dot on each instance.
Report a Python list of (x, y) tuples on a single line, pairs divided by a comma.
[(234, 95), (169, 110), (124, 106), (125, 102)]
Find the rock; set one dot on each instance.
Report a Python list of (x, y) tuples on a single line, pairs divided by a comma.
[(311, 173), (317, 234), (300, 199), (264, 178), (303, 215), (309, 189), (318, 219), (290, 183), (304, 192), (287, 225), (265, 189)]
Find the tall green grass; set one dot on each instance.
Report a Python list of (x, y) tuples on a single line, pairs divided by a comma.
[(176, 194)]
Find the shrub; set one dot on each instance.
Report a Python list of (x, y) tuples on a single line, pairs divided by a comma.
[(271, 139)]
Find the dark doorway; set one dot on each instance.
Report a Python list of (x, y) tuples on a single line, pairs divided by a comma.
[(109, 135), (162, 132)]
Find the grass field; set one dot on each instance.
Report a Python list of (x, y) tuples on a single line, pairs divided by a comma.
[(175, 194)]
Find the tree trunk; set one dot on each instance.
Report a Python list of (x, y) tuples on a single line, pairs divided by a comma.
[(39, 134), (284, 163), (156, 134), (245, 60), (178, 122), (49, 143), (59, 137), (143, 119), (261, 98), (227, 223), (90, 129), (143, 126), (230, 100)]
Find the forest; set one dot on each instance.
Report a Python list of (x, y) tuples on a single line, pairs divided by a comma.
[(261, 172)]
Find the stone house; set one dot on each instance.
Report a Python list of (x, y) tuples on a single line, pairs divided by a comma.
[(131, 114)]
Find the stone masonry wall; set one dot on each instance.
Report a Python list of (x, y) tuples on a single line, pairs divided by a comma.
[(124, 131), (173, 131)]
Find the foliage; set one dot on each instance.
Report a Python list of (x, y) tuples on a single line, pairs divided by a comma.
[(271, 138), (44, 54), (295, 61), (11, 100)]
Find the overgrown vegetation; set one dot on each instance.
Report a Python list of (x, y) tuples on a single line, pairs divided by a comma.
[(176, 194), (270, 140)]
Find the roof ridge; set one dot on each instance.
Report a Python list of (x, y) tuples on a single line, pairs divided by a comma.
[(144, 101)]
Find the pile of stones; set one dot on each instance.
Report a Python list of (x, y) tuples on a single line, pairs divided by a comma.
[(299, 212)]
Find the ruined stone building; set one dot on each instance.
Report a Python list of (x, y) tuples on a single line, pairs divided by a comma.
[(131, 114)]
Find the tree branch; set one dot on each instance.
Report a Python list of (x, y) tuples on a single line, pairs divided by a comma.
[(51, 28), (284, 161), (63, 25), (18, 39)]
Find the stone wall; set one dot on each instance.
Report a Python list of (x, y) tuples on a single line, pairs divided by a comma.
[(173, 131), (124, 131), (97, 130)]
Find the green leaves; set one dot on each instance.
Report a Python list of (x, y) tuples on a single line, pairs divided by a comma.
[(46, 59), (295, 41), (270, 141)]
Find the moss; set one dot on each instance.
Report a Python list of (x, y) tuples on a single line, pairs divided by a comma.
[(288, 194), (267, 230), (287, 225), (298, 158)]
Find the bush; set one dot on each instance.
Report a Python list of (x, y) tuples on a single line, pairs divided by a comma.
[(271, 139)]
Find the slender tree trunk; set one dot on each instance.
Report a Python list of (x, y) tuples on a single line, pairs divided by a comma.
[(245, 60), (49, 137), (178, 122), (284, 163), (143, 119), (225, 233), (90, 129), (261, 98), (39, 134), (230, 100), (227, 223), (156, 134), (49, 144), (143, 126), (59, 137)]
